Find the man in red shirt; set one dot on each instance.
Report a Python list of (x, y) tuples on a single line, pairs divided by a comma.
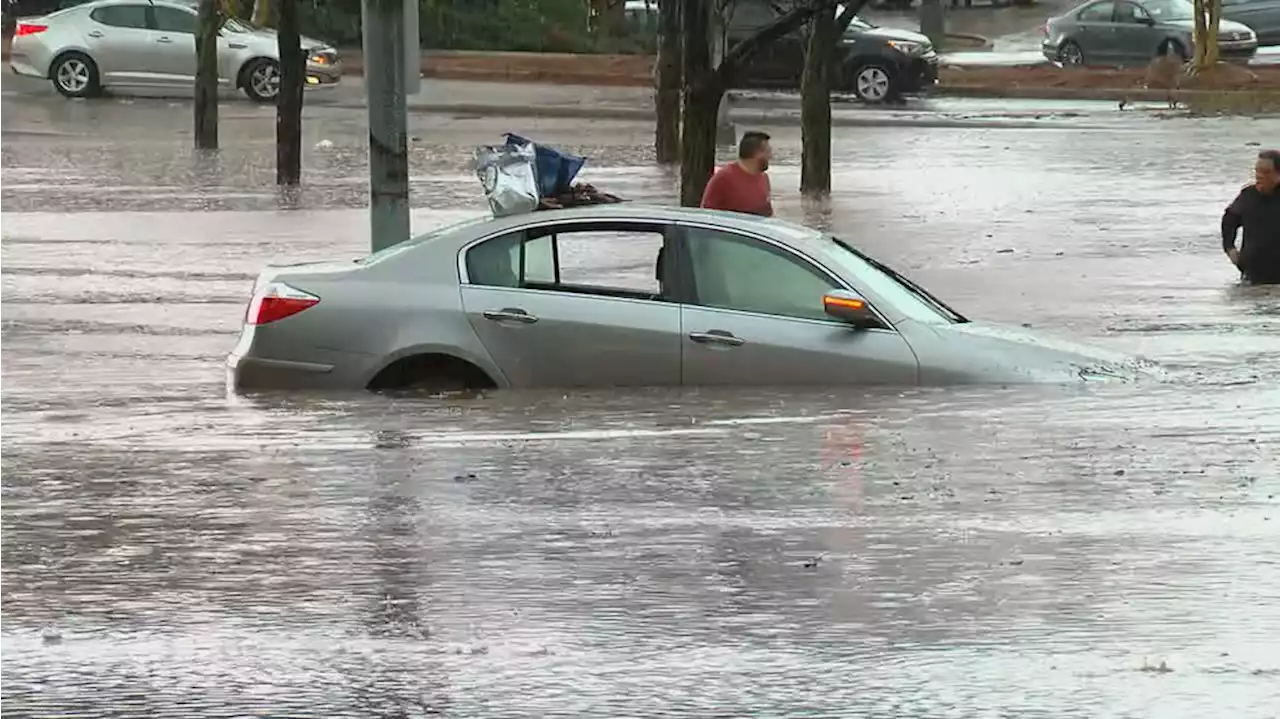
[(743, 186)]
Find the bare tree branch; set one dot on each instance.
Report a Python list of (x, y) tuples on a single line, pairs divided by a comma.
[(784, 25), (851, 10)]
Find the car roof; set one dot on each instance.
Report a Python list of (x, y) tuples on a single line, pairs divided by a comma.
[(633, 212)]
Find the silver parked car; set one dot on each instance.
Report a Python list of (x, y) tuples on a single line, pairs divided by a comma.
[(1131, 32), (151, 43), (1261, 16), (616, 295)]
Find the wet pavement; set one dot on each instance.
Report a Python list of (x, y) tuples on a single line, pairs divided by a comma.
[(169, 551)]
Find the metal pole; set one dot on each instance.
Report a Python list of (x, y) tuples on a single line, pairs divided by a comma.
[(933, 22), (384, 82), (412, 49)]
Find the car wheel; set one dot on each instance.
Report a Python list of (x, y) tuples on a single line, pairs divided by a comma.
[(1178, 50), (1070, 53), (74, 74), (873, 83), (261, 80)]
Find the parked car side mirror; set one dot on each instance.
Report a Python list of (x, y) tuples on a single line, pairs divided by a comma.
[(848, 307)]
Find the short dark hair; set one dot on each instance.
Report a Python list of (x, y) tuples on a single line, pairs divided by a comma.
[(1273, 155), (751, 143)]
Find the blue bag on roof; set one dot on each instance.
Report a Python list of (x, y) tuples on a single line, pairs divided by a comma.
[(555, 169)]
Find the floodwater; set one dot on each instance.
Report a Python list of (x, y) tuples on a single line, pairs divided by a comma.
[(1092, 551)]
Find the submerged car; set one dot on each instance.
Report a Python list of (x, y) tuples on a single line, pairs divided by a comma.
[(1132, 32), (615, 295), (152, 44)]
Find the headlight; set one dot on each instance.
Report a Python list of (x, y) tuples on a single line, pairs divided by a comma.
[(323, 56), (906, 47)]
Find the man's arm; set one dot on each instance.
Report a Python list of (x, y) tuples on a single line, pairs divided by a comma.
[(1232, 218), (713, 195)]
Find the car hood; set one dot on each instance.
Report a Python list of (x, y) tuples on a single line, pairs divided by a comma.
[(887, 33), (308, 43), (976, 351), (1224, 26)]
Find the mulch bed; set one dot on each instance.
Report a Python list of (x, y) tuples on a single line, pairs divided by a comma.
[(636, 70)]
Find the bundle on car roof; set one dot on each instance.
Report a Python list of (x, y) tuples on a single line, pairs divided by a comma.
[(522, 176)]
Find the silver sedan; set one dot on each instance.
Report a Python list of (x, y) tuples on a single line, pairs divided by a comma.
[(149, 44), (619, 295)]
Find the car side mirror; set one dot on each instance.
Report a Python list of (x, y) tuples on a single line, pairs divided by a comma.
[(848, 307)]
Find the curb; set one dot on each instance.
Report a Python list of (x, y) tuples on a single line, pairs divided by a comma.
[(746, 116)]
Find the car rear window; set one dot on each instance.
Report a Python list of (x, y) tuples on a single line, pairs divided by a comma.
[(133, 16)]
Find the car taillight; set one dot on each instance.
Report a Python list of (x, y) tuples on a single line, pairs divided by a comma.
[(25, 29), (276, 302)]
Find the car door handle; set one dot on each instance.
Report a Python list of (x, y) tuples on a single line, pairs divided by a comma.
[(236, 45), (718, 337), (510, 314), (164, 39), (95, 33)]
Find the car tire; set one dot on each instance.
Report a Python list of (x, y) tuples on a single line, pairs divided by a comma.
[(1070, 54), (874, 83), (260, 80), (1178, 50), (75, 74)]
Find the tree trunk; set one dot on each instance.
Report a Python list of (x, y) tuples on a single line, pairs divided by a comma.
[(815, 105), (289, 101), (698, 141), (206, 90), (1213, 21), (702, 95), (667, 81), (262, 12)]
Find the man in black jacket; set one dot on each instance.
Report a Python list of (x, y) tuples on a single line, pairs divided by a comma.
[(1257, 210)]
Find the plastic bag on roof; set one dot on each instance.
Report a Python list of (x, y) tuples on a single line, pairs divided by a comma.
[(555, 168), (508, 176)]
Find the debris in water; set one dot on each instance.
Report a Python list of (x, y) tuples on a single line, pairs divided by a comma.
[(324, 144), (1161, 668), (50, 635)]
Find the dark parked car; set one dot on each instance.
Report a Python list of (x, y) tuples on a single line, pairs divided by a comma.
[(1131, 32), (1261, 16), (876, 63)]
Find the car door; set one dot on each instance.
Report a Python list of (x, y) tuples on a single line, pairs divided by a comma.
[(752, 314), (1134, 38), (1094, 31), (119, 40), (575, 304), (174, 44)]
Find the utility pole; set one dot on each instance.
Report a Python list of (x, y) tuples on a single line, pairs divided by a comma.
[(390, 44), (932, 22), (206, 98)]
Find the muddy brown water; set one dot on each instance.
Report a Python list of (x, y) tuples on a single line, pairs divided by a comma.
[(958, 552)]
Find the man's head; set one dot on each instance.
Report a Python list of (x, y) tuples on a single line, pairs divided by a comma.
[(1266, 173), (754, 150)]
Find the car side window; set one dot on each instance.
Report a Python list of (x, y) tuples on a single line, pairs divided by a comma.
[(170, 19), (610, 259), (1097, 12), (1129, 13), (127, 16), (734, 272)]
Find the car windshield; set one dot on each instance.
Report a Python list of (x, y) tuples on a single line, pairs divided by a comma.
[(902, 292), (237, 25), (1164, 10)]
